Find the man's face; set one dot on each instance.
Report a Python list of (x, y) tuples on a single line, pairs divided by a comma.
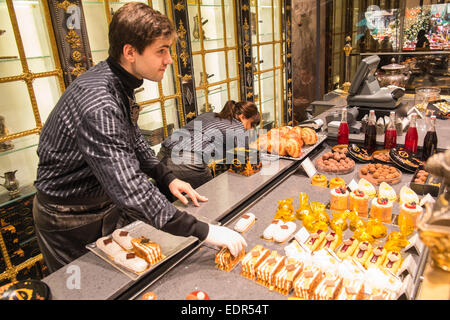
[(153, 61)]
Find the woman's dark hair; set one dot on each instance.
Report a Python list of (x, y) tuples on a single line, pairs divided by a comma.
[(232, 110), (139, 25), (421, 33)]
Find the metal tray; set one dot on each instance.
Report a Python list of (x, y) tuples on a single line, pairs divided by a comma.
[(170, 246)]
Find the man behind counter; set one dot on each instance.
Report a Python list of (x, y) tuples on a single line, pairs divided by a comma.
[(93, 160)]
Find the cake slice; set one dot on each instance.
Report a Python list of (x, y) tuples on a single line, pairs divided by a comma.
[(352, 290), (307, 282), (284, 280), (266, 271), (252, 260), (226, 261), (147, 250), (329, 288)]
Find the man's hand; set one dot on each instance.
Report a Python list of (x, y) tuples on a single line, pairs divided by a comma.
[(177, 187)]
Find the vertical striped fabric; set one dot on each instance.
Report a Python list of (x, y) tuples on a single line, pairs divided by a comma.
[(89, 147)]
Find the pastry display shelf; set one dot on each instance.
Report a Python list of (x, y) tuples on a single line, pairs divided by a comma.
[(198, 271)]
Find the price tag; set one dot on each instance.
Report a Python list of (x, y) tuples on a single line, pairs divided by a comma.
[(309, 167), (353, 185), (302, 235)]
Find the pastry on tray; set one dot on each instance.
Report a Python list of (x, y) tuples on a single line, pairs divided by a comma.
[(315, 239), (377, 173), (284, 280), (283, 231), (319, 180), (307, 282), (381, 209), (332, 240), (270, 229), (376, 258), (148, 250), (393, 261), (309, 136), (225, 261), (347, 248), (359, 202), (131, 262), (335, 162), (245, 222), (123, 238), (339, 199), (337, 182), (265, 272), (252, 260), (108, 246), (329, 288), (363, 252), (352, 289)]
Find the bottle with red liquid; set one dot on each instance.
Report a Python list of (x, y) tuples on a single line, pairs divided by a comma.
[(390, 135), (412, 138), (430, 141), (343, 129), (370, 138)]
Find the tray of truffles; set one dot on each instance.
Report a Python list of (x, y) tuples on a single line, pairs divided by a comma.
[(137, 248), (292, 143), (335, 162), (377, 173), (423, 183)]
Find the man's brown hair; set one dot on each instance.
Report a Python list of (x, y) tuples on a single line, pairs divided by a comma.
[(139, 25)]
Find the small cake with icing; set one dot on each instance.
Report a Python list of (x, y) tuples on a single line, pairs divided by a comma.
[(393, 261), (284, 280), (252, 260), (329, 288), (376, 258), (386, 191), (352, 290), (347, 248), (147, 250), (307, 282), (245, 222), (265, 272), (338, 199), (337, 183), (225, 261), (315, 239), (270, 230), (131, 262), (123, 238), (283, 231), (359, 202), (410, 212), (381, 209), (108, 246), (332, 240), (407, 195), (363, 252), (366, 187), (319, 180)]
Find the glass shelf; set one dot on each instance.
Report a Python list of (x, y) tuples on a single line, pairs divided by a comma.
[(28, 58), (22, 144), (25, 191)]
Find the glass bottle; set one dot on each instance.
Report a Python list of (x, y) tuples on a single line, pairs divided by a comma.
[(430, 141), (370, 138), (390, 135), (412, 138), (343, 130)]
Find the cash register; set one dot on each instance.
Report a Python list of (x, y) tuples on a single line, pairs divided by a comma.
[(366, 94)]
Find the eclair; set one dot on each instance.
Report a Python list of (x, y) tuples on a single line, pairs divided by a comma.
[(123, 238), (108, 246), (331, 241), (363, 252), (376, 258), (347, 248), (245, 222), (284, 231), (131, 262), (315, 240), (270, 230), (393, 261)]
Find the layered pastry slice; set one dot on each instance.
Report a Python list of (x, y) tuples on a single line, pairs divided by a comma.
[(376, 258), (147, 250), (329, 288), (252, 260), (284, 280), (266, 271), (347, 248), (225, 261), (363, 252), (339, 199), (352, 289), (359, 202), (381, 209), (307, 282)]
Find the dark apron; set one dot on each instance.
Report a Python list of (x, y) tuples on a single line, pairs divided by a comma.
[(65, 227)]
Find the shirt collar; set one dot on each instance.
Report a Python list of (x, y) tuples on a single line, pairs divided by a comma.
[(127, 79)]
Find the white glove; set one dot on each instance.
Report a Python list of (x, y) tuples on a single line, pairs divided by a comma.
[(225, 237)]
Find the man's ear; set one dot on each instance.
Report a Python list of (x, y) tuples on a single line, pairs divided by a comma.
[(129, 53)]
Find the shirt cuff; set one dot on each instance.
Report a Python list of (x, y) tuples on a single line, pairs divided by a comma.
[(185, 225)]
